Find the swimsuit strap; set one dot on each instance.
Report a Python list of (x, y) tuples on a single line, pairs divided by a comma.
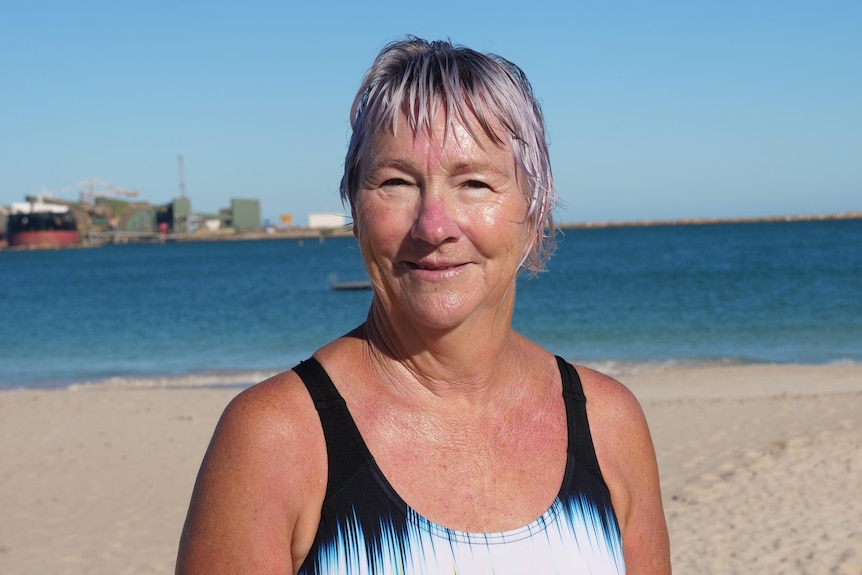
[(346, 450), (580, 439)]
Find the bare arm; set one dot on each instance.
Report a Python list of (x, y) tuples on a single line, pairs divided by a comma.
[(257, 498), (628, 463)]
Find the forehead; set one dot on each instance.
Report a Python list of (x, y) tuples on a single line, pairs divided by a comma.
[(443, 138)]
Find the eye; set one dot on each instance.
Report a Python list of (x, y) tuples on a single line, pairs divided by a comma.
[(475, 184), (391, 182)]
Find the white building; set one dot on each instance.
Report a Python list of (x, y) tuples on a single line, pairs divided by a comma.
[(328, 221)]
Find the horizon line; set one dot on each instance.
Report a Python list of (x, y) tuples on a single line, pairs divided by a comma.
[(704, 220)]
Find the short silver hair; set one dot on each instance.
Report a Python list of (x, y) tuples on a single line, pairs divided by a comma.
[(417, 76)]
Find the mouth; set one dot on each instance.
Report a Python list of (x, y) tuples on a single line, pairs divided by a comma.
[(435, 267), (426, 266)]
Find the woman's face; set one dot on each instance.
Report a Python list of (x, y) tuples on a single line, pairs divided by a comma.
[(441, 225)]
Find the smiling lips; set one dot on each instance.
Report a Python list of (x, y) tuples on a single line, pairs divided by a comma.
[(434, 266)]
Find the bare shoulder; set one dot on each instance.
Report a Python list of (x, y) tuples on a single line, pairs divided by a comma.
[(627, 460), (609, 402), (276, 422), (257, 498), (620, 433), (276, 409)]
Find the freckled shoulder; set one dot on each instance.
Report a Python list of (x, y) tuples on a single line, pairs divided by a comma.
[(608, 400), (627, 460), (264, 475), (617, 425)]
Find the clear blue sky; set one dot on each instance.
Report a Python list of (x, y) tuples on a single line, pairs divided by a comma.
[(655, 109)]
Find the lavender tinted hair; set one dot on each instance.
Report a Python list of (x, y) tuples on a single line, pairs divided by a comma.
[(416, 76)]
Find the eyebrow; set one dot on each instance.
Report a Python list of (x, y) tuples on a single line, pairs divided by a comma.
[(459, 168)]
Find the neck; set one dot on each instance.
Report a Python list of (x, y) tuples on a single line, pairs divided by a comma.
[(465, 360)]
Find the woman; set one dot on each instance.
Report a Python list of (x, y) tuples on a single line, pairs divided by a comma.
[(434, 438)]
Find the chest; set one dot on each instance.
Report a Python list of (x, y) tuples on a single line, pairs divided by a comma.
[(494, 471)]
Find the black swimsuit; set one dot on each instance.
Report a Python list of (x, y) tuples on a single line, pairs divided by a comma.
[(366, 527)]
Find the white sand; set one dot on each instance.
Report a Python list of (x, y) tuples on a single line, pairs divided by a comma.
[(761, 471), (761, 468)]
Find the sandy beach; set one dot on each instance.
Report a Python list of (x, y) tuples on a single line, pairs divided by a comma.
[(761, 471)]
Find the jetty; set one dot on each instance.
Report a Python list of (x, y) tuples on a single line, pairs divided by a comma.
[(348, 285)]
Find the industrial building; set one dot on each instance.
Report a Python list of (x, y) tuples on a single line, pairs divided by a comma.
[(243, 215), (327, 221)]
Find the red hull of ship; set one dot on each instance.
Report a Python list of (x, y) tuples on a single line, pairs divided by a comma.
[(44, 238)]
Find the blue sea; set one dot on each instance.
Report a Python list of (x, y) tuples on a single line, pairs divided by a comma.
[(618, 298)]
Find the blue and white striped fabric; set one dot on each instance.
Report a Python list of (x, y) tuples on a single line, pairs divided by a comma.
[(571, 537)]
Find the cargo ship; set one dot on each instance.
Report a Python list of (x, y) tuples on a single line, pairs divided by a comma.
[(41, 224)]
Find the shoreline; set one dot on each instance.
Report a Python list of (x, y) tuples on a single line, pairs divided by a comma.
[(239, 379), (759, 467), (713, 221), (321, 234)]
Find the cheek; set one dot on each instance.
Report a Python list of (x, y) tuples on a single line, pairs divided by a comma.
[(503, 227), (378, 230)]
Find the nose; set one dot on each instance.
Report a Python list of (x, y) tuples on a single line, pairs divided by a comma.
[(435, 221)]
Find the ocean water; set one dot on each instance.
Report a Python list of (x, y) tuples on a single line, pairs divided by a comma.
[(231, 313)]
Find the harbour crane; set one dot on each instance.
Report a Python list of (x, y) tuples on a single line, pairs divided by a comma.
[(93, 188)]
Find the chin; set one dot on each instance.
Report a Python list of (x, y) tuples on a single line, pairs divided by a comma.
[(440, 314)]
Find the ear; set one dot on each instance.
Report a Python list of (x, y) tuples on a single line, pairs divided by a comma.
[(535, 233), (355, 221)]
